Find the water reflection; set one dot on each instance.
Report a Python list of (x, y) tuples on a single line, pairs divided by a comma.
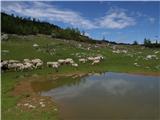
[(108, 96)]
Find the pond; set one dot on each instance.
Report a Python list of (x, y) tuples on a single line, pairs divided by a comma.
[(108, 96)]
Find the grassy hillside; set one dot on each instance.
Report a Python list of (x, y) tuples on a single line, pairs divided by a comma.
[(51, 49), (12, 24)]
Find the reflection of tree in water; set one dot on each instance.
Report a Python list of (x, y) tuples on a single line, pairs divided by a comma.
[(48, 84)]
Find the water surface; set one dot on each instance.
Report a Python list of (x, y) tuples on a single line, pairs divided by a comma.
[(108, 96)]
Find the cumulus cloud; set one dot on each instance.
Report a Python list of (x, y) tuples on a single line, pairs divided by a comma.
[(44, 11), (114, 19)]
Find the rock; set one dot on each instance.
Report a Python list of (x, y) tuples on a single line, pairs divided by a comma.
[(26, 104), (43, 105), (31, 106)]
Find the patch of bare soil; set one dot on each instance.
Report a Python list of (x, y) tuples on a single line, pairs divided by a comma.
[(30, 99)]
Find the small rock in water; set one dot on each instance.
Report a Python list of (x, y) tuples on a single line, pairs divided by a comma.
[(55, 109)]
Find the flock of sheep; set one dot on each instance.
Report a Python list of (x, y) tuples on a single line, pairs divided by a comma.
[(37, 63)]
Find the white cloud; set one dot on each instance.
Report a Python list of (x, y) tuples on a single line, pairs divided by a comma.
[(144, 17), (151, 19), (44, 11), (114, 18)]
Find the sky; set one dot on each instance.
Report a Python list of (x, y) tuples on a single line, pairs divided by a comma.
[(116, 21)]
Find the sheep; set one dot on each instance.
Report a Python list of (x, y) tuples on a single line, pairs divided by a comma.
[(83, 60), (4, 65), (35, 45), (13, 61), (12, 66), (90, 58), (19, 66), (116, 51), (35, 61), (136, 64), (49, 64), (55, 65), (27, 60), (95, 62), (61, 61), (156, 52), (69, 61), (75, 65), (98, 58), (39, 65), (151, 56), (28, 65)]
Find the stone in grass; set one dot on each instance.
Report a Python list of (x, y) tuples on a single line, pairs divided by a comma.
[(31, 106), (43, 105), (26, 104)]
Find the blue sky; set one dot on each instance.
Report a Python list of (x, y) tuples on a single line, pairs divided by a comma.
[(117, 21)]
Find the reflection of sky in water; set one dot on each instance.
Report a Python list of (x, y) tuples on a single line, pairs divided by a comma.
[(115, 84), (109, 95)]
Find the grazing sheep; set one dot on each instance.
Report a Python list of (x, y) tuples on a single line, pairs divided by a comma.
[(69, 61), (27, 60), (156, 52), (90, 58), (19, 66), (4, 65), (83, 60), (35, 45), (13, 61), (75, 65), (35, 61), (12, 66), (95, 62), (98, 58), (28, 65), (116, 51), (39, 65), (61, 61), (136, 64), (124, 51), (151, 57), (49, 64), (55, 65)]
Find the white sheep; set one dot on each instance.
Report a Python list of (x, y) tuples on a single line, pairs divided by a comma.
[(74, 64), (95, 62), (69, 61), (27, 60), (13, 61), (55, 65), (90, 58), (61, 61), (28, 65), (35, 61), (83, 60), (39, 65)]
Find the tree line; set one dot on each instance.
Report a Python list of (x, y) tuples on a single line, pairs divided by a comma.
[(148, 43), (12, 24)]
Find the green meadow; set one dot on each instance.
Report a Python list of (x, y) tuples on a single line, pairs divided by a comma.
[(51, 49)]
